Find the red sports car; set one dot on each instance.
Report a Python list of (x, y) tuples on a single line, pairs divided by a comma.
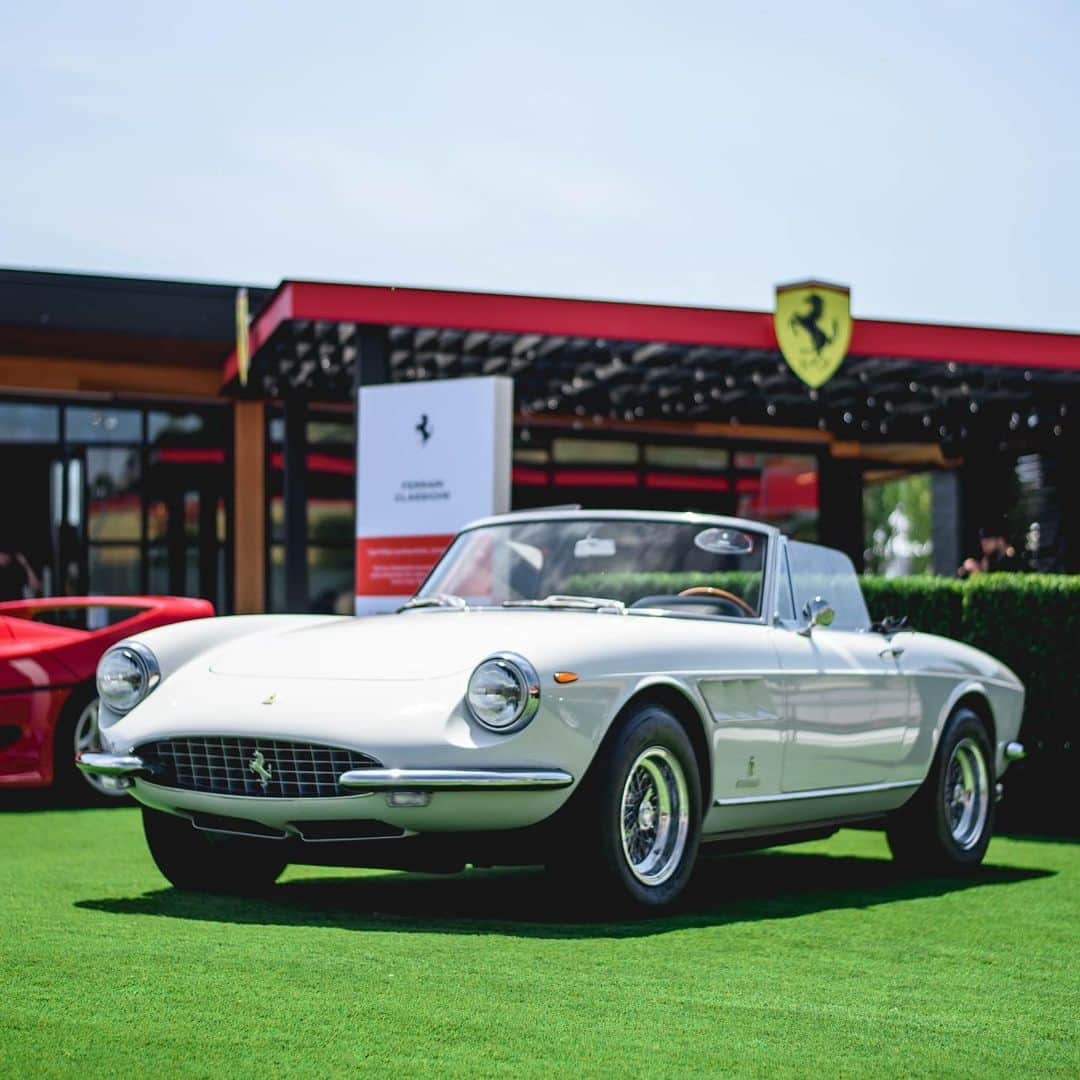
[(49, 651)]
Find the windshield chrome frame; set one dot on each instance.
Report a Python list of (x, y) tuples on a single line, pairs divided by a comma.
[(769, 533)]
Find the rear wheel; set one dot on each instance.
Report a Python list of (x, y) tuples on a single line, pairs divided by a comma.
[(632, 832), (207, 862), (949, 821)]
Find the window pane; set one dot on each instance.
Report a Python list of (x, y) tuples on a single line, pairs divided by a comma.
[(330, 431), (209, 427), (592, 451), (114, 508), (785, 606), (330, 521), (331, 580), (87, 424), (86, 617), (687, 457), (276, 585), (781, 489), (277, 517), (819, 571), (114, 571), (29, 423), (174, 427), (530, 455), (158, 571)]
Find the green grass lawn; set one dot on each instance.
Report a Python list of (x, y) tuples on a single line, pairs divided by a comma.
[(820, 959)]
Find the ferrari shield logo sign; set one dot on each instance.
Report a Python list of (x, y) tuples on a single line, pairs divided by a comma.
[(813, 328)]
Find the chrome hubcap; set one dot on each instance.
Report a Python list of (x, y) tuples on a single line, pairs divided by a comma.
[(967, 793), (88, 740), (655, 815)]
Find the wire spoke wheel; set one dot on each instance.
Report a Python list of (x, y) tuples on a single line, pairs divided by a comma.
[(655, 815), (87, 739), (966, 793)]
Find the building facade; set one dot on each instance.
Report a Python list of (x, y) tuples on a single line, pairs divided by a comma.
[(140, 453)]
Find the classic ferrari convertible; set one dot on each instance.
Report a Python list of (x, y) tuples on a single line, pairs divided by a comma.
[(601, 692)]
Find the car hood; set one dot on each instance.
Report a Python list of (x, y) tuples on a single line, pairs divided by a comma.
[(434, 644)]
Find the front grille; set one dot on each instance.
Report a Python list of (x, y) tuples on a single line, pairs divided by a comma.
[(231, 766)]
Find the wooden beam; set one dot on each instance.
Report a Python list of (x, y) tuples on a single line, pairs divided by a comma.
[(78, 375), (895, 453), (249, 508)]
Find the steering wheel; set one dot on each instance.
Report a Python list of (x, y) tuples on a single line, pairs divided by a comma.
[(720, 594)]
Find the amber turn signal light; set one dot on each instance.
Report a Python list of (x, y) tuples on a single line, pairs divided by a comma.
[(562, 677)]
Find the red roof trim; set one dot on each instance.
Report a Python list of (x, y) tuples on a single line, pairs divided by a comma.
[(644, 322)]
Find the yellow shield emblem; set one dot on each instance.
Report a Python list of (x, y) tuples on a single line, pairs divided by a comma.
[(813, 328)]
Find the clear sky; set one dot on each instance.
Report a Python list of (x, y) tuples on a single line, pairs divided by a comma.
[(927, 154)]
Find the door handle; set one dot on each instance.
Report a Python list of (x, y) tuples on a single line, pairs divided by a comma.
[(892, 650)]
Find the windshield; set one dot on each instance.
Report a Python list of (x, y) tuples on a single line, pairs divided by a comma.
[(642, 564)]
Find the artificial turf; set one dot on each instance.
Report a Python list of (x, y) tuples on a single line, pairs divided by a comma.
[(822, 959)]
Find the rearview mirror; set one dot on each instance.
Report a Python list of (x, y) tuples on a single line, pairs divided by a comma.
[(816, 612)]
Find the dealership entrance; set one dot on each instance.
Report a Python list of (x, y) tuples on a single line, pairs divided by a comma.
[(678, 408)]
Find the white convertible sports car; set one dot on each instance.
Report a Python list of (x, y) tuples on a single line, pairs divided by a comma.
[(598, 691)]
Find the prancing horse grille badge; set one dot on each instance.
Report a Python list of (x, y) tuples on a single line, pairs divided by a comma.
[(261, 769)]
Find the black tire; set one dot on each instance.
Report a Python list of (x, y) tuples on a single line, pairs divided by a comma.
[(931, 831), (589, 855), (70, 785), (208, 862)]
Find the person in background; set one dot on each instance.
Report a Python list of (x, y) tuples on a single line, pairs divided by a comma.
[(16, 574), (997, 556)]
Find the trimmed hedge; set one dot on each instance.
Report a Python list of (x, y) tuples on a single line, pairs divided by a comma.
[(932, 604), (1032, 623)]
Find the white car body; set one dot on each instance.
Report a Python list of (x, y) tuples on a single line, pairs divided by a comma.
[(793, 729)]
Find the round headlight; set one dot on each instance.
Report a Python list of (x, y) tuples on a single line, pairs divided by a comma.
[(125, 675), (504, 692)]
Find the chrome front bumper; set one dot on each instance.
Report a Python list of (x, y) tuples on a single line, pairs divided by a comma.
[(361, 780), (98, 764)]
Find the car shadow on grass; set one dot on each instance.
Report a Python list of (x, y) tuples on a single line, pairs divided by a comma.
[(524, 903), (34, 800)]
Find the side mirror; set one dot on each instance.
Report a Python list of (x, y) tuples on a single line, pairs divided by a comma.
[(816, 612)]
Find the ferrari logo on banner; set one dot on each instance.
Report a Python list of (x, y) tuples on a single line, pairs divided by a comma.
[(243, 347), (813, 328)]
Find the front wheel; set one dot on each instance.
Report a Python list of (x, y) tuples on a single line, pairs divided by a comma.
[(208, 862), (949, 821), (632, 831), (76, 733)]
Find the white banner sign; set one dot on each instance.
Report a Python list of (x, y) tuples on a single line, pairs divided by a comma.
[(431, 456)]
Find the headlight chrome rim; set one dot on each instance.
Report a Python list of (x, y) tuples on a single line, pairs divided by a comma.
[(527, 678), (147, 663)]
